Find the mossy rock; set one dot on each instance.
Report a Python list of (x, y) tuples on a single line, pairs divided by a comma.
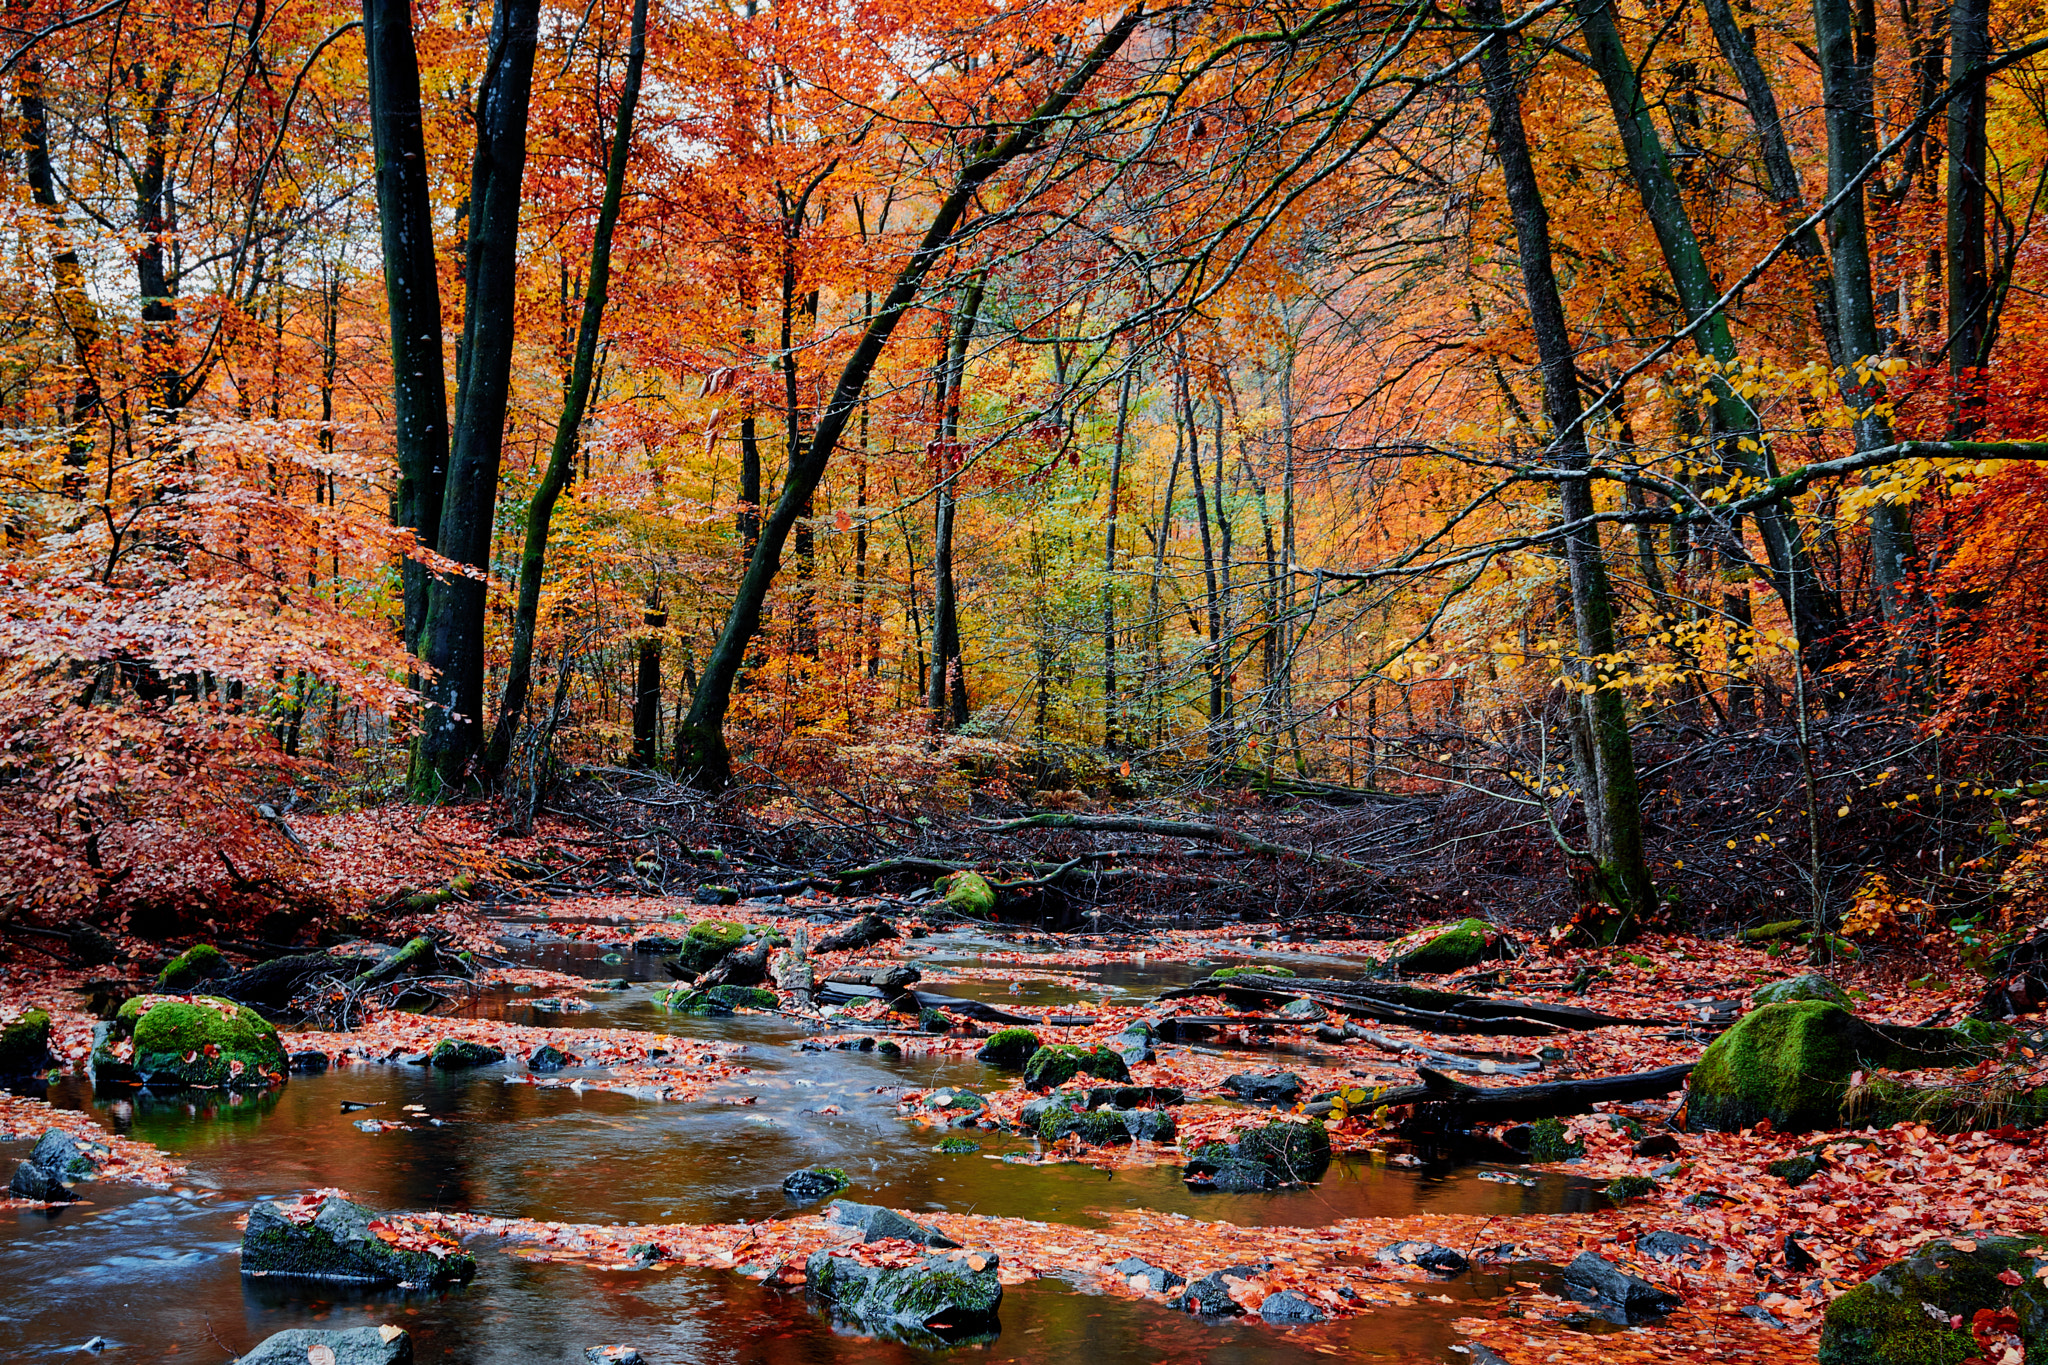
[(1294, 1151), (340, 1244), (1624, 1188), (1227, 973), (1789, 1063), (1057, 1064), (708, 894), (1806, 986), (457, 1054), (1107, 1127), (1774, 932), (691, 1001), (957, 1146), (708, 941), (1452, 948), (1550, 1140), (1008, 1047), (1882, 1101), (967, 893), (25, 1043), (949, 1290), (203, 1041), (200, 962), (1797, 1169), (813, 1183), (1901, 1315), (744, 997)]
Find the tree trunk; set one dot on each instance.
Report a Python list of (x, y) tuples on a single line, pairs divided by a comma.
[(705, 758), (1116, 474), (1622, 878), (1845, 68), (1813, 611), (1969, 291), (453, 639), (947, 695), (647, 681), (74, 304)]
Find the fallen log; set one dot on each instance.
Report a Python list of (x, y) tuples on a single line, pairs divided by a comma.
[(1431, 1021), (1179, 829), (1392, 1004), (1441, 1098)]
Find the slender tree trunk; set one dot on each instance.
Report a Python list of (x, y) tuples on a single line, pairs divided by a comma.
[(1110, 734), (705, 758), (1623, 877), (647, 681), (453, 640), (1845, 67), (412, 290), (1211, 601), (1969, 290), (540, 511), (947, 696), (74, 305), (1814, 615)]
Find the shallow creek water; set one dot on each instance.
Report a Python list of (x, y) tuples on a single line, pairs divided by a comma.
[(157, 1273)]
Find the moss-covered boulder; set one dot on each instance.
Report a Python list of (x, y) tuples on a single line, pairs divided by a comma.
[(200, 1040), (691, 1001), (1058, 1063), (1230, 973), (200, 962), (458, 1054), (1902, 1314), (813, 1183), (967, 893), (1008, 1047), (1107, 1127), (743, 997), (1789, 1063), (1806, 986), (1295, 1151), (24, 1042), (708, 941), (340, 1242), (1550, 1140), (1774, 932), (1451, 948), (945, 1293)]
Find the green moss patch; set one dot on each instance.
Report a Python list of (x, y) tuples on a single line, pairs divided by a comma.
[(1901, 1315), (203, 1041), (200, 962), (1008, 1047), (1806, 986), (25, 1043), (1057, 1064), (967, 893), (1451, 948), (1789, 1063)]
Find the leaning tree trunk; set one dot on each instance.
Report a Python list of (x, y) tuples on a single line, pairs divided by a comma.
[(947, 697), (1622, 879), (412, 290), (453, 644), (540, 511), (702, 753)]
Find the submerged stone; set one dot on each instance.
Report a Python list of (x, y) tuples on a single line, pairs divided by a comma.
[(878, 1224), (938, 1293), (340, 1244), (457, 1054), (361, 1346), (813, 1183)]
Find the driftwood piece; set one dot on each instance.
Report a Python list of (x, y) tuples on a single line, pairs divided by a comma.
[(1462, 1105)]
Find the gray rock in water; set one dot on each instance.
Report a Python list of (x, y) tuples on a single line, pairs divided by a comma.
[(957, 1292), (34, 1182), (1210, 1295), (61, 1154), (1429, 1255), (1673, 1246), (362, 1346), (1237, 1176), (1157, 1278), (456, 1054), (1616, 1288), (547, 1057), (813, 1183), (876, 1223), (1271, 1087), (1134, 1044), (614, 1355), (1288, 1306), (308, 1063), (892, 977), (1303, 1009), (339, 1245)]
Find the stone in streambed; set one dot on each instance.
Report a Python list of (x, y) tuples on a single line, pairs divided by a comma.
[(1902, 1314), (24, 1042), (1056, 1064), (1431, 1256), (1296, 1152), (1157, 1279), (614, 1355), (1805, 986), (878, 1224), (1264, 1087), (200, 962), (967, 893), (42, 1186), (339, 1244), (457, 1054), (1105, 1127), (1451, 948), (813, 1183), (201, 1040), (1628, 1295), (64, 1156), (1132, 1096), (864, 932), (951, 1292), (547, 1057), (1288, 1307), (362, 1346), (1008, 1047), (1664, 1245)]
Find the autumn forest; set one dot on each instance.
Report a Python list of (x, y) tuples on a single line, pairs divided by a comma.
[(1143, 527)]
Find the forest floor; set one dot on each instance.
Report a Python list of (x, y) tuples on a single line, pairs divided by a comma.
[(1765, 1257)]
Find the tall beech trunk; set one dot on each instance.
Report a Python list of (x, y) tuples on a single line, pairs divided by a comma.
[(74, 305), (946, 694), (453, 638), (412, 290), (1815, 614), (647, 680), (1846, 60), (703, 754), (1622, 880), (1969, 289), (540, 511), (1110, 732), (1211, 601)]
